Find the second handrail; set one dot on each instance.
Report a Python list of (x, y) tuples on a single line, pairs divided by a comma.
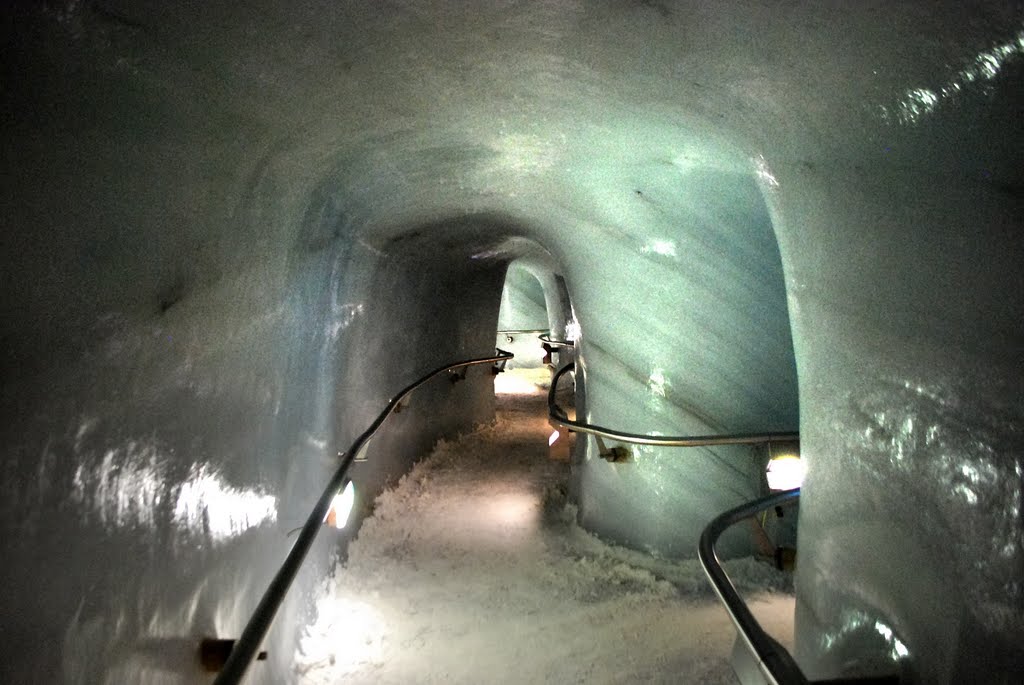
[(546, 339), (558, 416), (774, 662)]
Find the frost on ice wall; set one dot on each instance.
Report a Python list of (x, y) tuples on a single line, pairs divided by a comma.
[(229, 232)]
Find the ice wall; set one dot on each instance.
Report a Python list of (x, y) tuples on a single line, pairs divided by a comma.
[(534, 300), (522, 317), (522, 301), (911, 524), (222, 222), (901, 241), (677, 343), (191, 330)]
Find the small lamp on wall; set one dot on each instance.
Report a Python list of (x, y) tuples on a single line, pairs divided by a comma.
[(785, 472), (341, 506)]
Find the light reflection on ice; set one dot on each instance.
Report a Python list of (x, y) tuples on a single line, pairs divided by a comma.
[(343, 316), (665, 248), (573, 330), (688, 161), (966, 492), (918, 103), (206, 501), (899, 650), (764, 172), (525, 153), (512, 511), (854, 623), (84, 428), (347, 634), (132, 487), (520, 383), (657, 383), (945, 452), (124, 489)]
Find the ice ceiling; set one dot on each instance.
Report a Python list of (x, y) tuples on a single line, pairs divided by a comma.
[(232, 229)]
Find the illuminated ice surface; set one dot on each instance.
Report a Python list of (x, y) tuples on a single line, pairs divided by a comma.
[(472, 570), (230, 230)]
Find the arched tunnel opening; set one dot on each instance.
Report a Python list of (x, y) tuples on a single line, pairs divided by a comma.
[(477, 516), (232, 231), (440, 286), (523, 317)]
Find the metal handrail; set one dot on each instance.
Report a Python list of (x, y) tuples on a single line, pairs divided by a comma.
[(247, 647), (558, 416), (546, 338), (524, 330), (773, 661)]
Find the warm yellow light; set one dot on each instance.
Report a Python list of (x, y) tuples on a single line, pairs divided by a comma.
[(522, 381), (341, 507), (785, 472)]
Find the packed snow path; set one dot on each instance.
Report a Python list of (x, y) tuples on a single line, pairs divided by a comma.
[(472, 570)]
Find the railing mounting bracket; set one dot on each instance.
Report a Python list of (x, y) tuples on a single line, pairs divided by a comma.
[(613, 455)]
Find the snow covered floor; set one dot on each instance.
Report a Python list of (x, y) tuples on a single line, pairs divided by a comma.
[(472, 570)]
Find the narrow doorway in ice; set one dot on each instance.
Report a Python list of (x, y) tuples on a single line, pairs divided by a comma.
[(522, 317), (529, 318)]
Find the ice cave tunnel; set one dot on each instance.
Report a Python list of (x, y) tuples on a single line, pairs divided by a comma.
[(232, 230)]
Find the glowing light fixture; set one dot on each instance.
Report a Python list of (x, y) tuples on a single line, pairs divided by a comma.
[(552, 438), (785, 472), (341, 507)]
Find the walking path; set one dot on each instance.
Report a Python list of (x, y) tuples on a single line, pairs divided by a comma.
[(472, 570)]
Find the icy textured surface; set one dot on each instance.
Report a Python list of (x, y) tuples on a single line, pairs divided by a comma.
[(522, 318), (473, 570), (698, 347), (522, 301), (231, 230)]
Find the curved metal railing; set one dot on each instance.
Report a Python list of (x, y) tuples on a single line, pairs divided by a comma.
[(773, 662), (756, 657), (247, 647), (546, 339), (545, 336), (558, 416), (508, 333)]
